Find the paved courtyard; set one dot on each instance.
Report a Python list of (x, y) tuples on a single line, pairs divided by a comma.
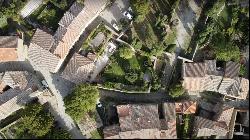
[(113, 14)]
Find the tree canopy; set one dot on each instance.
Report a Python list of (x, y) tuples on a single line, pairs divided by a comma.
[(35, 120), (224, 49), (126, 52), (81, 100), (176, 91), (58, 133), (141, 9)]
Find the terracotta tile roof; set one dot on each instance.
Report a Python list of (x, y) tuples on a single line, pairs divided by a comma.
[(244, 88), (193, 84), (43, 58), (232, 69), (9, 94), (205, 76), (8, 41), (142, 121), (186, 107), (60, 32), (201, 123), (212, 82), (88, 13), (42, 39), (112, 130), (76, 8), (140, 117), (224, 115), (18, 79), (66, 19), (144, 134), (8, 48), (217, 125), (16, 103), (210, 66), (73, 70), (194, 69)]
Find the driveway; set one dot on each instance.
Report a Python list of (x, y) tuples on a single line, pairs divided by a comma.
[(188, 13), (113, 13)]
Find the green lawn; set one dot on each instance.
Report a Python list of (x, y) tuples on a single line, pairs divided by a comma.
[(134, 64), (50, 17)]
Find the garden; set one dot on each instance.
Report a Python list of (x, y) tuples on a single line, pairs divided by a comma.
[(130, 71), (153, 24), (10, 18), (226, 32), (49, 14), (131, 67), (97, 40)]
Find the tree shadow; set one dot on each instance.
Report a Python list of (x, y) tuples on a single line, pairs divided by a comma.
[(186, 15), (114, 12)]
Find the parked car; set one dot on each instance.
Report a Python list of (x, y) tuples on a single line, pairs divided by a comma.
[(111, 47), (98, 103), (128, 15), (45, 84), (116, 26)]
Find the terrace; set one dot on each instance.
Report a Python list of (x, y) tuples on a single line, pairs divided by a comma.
[(97, 40)]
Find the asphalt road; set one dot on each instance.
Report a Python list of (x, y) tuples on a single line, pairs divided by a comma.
[(121, 97)]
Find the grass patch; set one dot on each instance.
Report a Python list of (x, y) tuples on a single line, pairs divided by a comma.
[(171, 37), (133, 62), (115, 69)]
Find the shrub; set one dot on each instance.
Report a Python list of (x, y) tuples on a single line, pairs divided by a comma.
[(141, 9), (81, 100), (171, 48), (58, 133), (35, 121), (224, 48), (243, 70), (126, 52), (131, 77), (176, 91)]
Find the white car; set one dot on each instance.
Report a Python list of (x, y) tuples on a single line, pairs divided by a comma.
[(116, 27), (98, 103), (128, 15), (111, 47)]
